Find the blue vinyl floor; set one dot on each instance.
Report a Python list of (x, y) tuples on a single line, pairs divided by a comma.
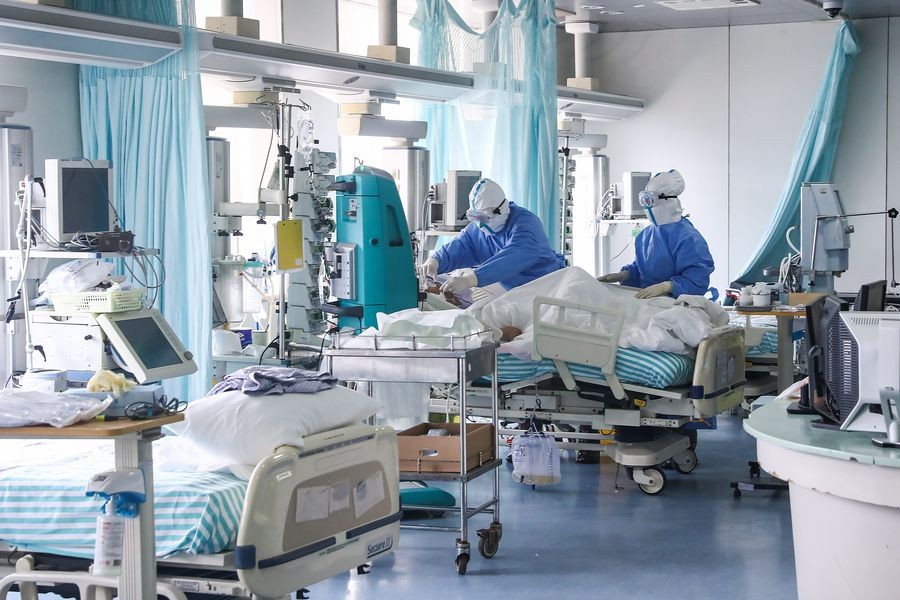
[(584, 539)]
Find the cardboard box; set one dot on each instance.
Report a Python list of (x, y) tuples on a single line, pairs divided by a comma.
[(804, 298), (421, 453)]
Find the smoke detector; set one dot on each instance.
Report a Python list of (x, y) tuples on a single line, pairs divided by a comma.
[(706, 4)]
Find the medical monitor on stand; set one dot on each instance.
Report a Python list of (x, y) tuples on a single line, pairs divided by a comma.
[(80, 198), (148, 347)]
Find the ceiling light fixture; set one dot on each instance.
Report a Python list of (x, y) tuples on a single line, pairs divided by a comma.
[(592, 7)]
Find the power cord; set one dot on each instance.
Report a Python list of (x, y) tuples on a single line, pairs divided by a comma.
[(141, 411)]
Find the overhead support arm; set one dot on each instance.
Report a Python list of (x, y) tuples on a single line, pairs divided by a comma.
[(387, 48), (583, 32)]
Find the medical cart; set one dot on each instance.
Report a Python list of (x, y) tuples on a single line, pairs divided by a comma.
[(459, 361)]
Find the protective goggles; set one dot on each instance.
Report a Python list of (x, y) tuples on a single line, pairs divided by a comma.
[(481, 216), (648, 199)]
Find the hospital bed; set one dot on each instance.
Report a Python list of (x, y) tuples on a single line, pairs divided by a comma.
[(305, 515), (580, 379)]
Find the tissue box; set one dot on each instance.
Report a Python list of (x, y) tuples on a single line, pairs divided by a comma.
[(421, 453)]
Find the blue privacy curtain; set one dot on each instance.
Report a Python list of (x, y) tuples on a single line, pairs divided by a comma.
[(506, 126), (149, 123), (813, 156)]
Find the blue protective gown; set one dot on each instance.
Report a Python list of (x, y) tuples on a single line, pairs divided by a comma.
[(517, 254), (676, 252)]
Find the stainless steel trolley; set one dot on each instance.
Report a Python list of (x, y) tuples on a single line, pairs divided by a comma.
[(459, 361)]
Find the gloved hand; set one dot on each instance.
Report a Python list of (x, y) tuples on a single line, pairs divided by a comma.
[(613, 277), (657, 289), (463, 280), (429, 270)]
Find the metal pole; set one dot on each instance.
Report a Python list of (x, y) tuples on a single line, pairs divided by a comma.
[(463, 459), (284, 214), (387, 22), (582, 54), (232, 8)]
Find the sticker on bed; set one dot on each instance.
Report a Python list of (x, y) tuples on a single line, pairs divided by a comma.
[(368, 493), (313, 503)]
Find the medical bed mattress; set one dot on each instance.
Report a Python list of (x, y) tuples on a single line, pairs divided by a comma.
[(768, 345), (43, 507), (652, 369)]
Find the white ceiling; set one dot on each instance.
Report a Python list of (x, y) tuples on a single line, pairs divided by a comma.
[(655, 16), (644, 15)]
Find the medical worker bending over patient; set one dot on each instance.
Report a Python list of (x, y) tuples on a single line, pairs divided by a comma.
[(671, 257), (504, 244)]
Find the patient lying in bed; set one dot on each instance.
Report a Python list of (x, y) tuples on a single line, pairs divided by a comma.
[(659, 324)]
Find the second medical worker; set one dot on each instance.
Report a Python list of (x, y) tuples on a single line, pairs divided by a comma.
[(503, 243), (671, 257)]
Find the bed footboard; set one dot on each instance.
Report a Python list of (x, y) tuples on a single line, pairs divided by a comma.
[(312, 513), (571, 332), (719, 377)]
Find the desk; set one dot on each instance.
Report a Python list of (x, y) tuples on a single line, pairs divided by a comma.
[(133, 445), (845, 503), (785, 320)]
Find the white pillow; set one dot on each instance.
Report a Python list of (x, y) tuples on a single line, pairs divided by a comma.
[(244, 429)]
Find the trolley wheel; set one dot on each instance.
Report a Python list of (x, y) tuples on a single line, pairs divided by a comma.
[(755, 469), (657, 483), (488, 546), (462, 562), (685, 462), (489, 540)]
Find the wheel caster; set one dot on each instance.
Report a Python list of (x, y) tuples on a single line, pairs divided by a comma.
[(657, 481), (755, 469), (489, 541), (736, 493), (587, 457), (685, 462), (462, 562)]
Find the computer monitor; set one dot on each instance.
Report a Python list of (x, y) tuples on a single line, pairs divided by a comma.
[(871, 297), (852, 357), (80, 197), (149, 348)]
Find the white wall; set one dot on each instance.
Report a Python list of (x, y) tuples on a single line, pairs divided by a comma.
[(683, 77), (726, 106), (52, 111)]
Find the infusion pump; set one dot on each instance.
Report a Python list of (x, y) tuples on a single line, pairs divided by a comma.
[(140, 342)]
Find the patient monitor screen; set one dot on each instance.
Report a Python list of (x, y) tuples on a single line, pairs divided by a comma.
[(85, 196), (149, 342)]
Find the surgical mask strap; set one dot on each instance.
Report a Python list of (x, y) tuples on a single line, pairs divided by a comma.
[(497, 209)]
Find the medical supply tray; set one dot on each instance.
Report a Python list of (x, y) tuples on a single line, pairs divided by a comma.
[(454, 361), (109, 301)]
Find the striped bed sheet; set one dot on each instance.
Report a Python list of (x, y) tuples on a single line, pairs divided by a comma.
[(768, 345), (652, 369), (43, 507), (643, 367)]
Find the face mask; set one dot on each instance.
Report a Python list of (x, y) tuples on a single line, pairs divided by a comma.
[(661, 209)]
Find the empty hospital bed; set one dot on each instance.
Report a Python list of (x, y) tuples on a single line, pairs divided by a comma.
[(305, 515), (591, 392)]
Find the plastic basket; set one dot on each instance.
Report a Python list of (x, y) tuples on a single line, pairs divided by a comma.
[(98, 302)]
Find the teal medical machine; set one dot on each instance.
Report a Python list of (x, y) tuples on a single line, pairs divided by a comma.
[(372, 267)]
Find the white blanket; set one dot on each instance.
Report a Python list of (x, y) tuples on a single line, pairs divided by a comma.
[(431, 329), (660, 324)]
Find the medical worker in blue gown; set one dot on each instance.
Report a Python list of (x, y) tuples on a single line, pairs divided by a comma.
[(671, 257), (503, 244)]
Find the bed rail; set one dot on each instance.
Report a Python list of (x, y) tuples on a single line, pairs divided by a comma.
[(719, 376), (312, 513), (592, 340)]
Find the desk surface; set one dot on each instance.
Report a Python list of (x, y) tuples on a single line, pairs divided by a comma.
[(90, 429), (772, 424), (772, 313)]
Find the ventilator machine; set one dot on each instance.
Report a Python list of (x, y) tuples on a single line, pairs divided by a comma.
[(371, 261)]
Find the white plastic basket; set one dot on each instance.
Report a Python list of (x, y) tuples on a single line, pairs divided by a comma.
[(98, 302)]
